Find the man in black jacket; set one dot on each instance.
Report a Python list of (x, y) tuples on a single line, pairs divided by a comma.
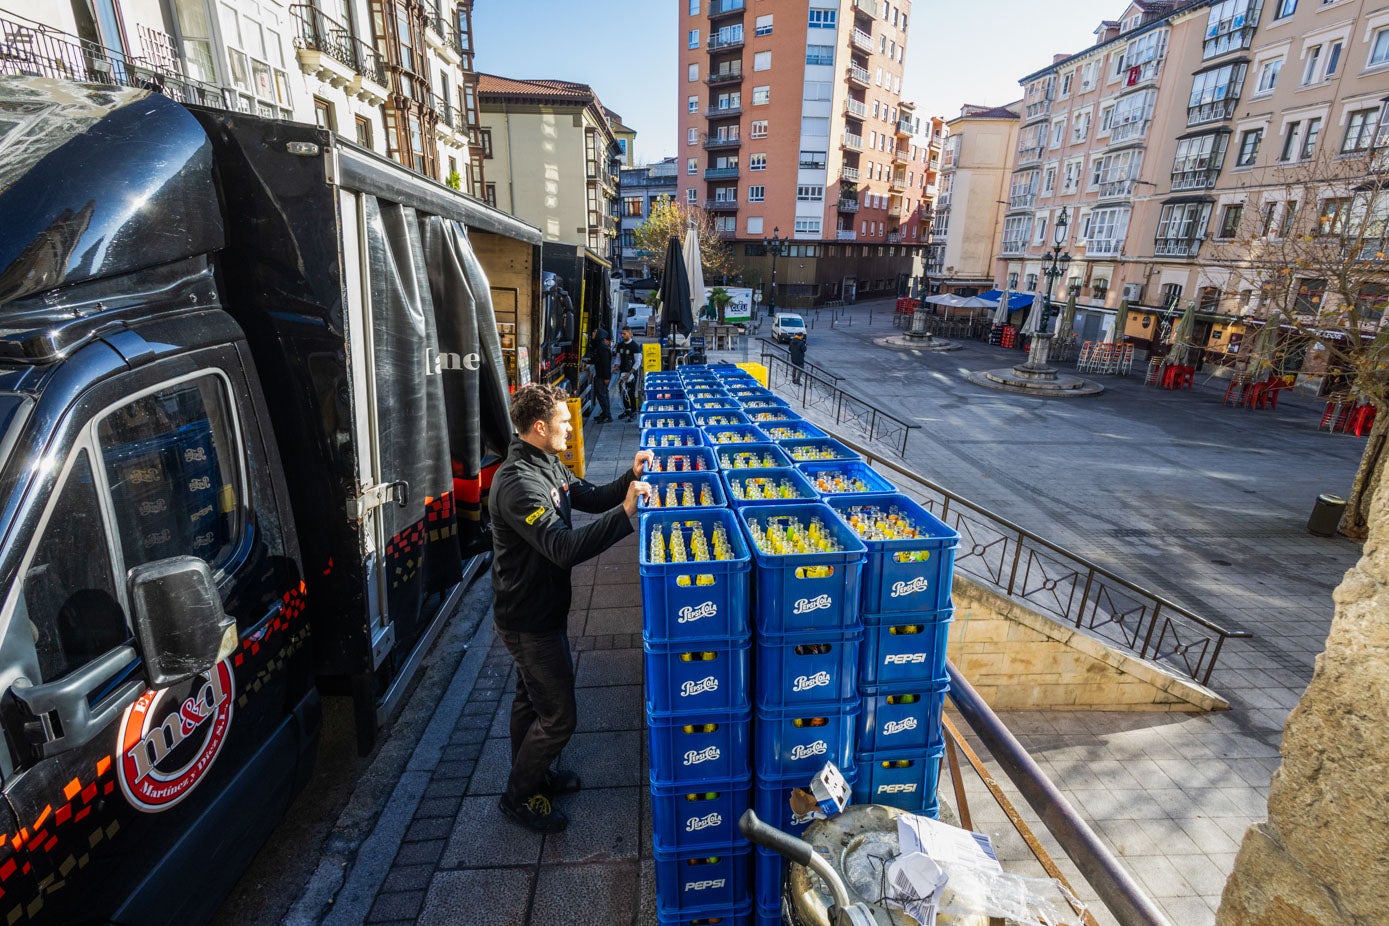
[(602, 359), (797, 350), (628, 357), (535, 545)]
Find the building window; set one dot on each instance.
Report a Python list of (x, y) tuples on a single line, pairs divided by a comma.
[(807, 225), (692, 104), (1332, 220), (1198, 160), (1290, 139), (323, 115), (1266, 223), (761, 96), (1309, 71), (823, 19), (1181, 226), (691, 196), (764, 25), (810, 194), (819, 54), (692, 74), (758, 129), (692, 166), (1309, 143), (692, 136), (1230, 26), (485, 140), (1249, 147), (757, 194), (363, 127), (694, 38), (762, 61), (1360, 130), (631, 207), (1379, 48), (757, 162), (1268, 75), (490, 194), (1214, 94), (1289, 213), (1230, 219), (1081, 127), (754, 225), (1285, 9)]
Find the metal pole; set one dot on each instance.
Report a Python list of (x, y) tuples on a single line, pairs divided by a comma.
[(1114, 885)]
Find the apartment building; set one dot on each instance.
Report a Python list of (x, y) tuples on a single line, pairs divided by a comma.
[(1177, 144), (641, 188), (969, 207), (552, 159), (792, 124), (394, 75)]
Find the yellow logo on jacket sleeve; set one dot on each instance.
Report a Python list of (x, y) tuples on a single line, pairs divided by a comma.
[(535, 515)]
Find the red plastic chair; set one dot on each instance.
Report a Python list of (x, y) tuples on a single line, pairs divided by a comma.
[(1186, 378), (1362, 420), (1254, 397), (1275, 386)]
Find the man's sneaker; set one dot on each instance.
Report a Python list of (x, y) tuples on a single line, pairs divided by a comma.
[(561, 782), (536, 813)]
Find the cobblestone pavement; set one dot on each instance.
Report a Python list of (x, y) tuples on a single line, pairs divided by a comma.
[(1203, 503)]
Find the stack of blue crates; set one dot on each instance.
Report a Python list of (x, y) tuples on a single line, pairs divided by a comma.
[(696, 648)]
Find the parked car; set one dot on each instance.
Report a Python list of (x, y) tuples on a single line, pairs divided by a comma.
[(786, 325), (638, 315)]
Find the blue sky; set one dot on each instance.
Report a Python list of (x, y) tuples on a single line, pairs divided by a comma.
[(960, 51)]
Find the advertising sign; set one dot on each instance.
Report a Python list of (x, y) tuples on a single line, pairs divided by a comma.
[(740, 309)]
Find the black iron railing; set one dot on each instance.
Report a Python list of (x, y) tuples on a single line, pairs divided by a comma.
[(321, 33), (32, 49), (818, 389)]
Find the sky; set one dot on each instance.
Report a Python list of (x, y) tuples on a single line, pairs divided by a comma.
[(959, 51)]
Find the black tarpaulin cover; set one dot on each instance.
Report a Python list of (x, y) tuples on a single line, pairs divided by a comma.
[(675, 291)]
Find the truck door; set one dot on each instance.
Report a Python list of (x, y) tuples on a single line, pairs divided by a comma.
[(111, 782)]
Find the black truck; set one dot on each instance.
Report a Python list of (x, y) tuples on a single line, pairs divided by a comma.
[(251, 388)]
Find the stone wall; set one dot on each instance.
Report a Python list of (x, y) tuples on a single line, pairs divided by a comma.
[(1322, 856), (1019, 660)]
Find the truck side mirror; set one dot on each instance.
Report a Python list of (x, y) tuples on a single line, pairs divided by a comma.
[(179, 622)]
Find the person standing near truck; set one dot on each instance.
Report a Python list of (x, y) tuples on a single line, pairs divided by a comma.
[(602, 358), (535, 546), (628, 350)]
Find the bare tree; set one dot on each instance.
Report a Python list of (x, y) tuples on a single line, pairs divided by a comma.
[(1305, 250), (667, 218)]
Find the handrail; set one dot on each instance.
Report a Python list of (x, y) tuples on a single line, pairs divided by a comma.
[(1052, 579), (1114, 885)]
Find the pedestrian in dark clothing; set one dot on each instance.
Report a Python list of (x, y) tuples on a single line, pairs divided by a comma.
[(628, 352), (535, 545), (797, 350), (602, 359)]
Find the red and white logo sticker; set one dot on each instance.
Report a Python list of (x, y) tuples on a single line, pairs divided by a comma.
[(169, 738)]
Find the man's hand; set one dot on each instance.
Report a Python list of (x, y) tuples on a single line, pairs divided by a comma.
[(635, 491), (640, 461)]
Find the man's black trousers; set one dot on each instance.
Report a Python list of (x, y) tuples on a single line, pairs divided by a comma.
[(544, 714)]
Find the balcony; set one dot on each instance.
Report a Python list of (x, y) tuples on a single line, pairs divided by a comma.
[(860, 76), (1111, 188), (1037, 110), (845, 234), (720, 78), (1176, 247), (895, 211), (868, 6), (901, 156), (715, 142), (721, 173), (721, 205), (897, 185), (852, 142), (863, 40), (326, 49), (727, 234), (894, 238), (1214, 111), (1012, 248), (1024, 200), (723, 112), (904, 127), (442, 36), (450, 126), (1103, 247), (1031, 154), (1129, 131), (855, 108), (1200, 179), (850, 174), (848, 205), (721, 8), (725, 42)]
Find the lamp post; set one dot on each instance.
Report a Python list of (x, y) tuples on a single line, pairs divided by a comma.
[(774, 245), (1054, 265)]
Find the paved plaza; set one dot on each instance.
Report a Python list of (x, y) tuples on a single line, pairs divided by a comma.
[(1203, 503)]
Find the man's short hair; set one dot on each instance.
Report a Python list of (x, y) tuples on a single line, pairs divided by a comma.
[(534, 402)]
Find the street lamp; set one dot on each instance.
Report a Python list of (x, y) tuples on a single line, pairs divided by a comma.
[(1054, 265), (774, 245)]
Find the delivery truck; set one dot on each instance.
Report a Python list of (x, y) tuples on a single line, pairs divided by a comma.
[(251, 384)]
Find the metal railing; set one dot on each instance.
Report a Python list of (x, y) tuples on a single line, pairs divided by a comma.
[(32, 49), (819, 389), (324, 34), (1050, 579)]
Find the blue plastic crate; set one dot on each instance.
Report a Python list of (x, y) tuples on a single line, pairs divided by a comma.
[(694, 884), (733, 434), (905, 575), (903, 717), (771, 799), (698, 815), (765, 401), (822, 474), (661, 392), (790, 430), (769, 871), (750, 390), (653, 406), (803, 669), (731, 915), (804, 591), (909, 648), (704, 393), (661, 377), (690, 750), (682, 460), (694, 601), (696, 677), (662, 485), (739, 482), (761, 416), (715, 405), (672, 437), (735, 457), (767, 917), (905, 780), (665, 420), (799, 741), (817, 450), (717, 417)]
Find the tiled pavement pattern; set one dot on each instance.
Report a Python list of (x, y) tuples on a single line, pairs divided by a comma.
[(1171, 794)]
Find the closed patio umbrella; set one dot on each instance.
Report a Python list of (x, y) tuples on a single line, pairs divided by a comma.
[(1181, 340), (694, 267), (1001, 315), (676, 312), (1065, 326), (1121, 321), (1261, 351), (1034, 316)]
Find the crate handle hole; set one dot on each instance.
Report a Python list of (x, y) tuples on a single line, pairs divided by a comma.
[(711, 860), (814, 649), (693, 728), (703, 796), (911, 556), (903, 698), (814, 572), (905, 630), (705, 656)]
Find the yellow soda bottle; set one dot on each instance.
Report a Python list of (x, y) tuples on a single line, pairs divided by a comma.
[(677, 545), (657, 549)]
